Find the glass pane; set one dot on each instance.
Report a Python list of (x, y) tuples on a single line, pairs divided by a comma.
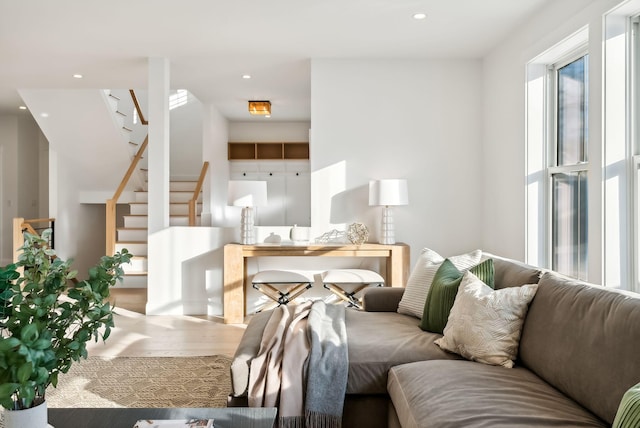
[(569, 240), (572, 112)]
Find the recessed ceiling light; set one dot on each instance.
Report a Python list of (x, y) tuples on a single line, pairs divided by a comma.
[(77, 76), (22, 107), (44, 114), (246, 76), (267, 116), (419, 16)]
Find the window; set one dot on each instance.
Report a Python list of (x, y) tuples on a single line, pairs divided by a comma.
[(634, 68), (567, 172)]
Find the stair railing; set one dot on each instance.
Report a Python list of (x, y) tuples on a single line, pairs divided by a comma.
[(20, 225), (112, 203), (138, 109), (194, 199)]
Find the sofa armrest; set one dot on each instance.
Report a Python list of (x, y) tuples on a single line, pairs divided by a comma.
[(382, 299), (247, 350)]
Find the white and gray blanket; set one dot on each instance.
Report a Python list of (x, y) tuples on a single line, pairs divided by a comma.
[(302, 365)]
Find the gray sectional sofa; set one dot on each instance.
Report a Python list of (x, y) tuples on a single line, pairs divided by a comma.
[(579, 352)]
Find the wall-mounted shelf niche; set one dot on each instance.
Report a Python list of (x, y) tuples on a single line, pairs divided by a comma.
[(265, 151)]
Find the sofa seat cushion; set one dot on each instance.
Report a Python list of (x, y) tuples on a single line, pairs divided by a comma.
[(466, 394), (378, 341)]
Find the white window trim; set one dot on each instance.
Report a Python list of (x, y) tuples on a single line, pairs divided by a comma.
[(539, 134)]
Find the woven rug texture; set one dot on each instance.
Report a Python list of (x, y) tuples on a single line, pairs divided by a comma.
[(144, 382)]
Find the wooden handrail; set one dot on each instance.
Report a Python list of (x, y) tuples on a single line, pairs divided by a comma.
[(20, 225), (111, 203), (138, 109), (196, 193)]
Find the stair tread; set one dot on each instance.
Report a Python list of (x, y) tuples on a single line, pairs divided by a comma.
[(146, 215), (147, 203), (170, 191), (180, 181)]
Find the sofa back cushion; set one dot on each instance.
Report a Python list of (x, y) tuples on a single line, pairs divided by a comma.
[(584, 340), (512, 273)]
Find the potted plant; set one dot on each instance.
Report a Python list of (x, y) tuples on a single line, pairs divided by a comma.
[(46, 320)]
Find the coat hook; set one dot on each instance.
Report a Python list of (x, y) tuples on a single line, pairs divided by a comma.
[(244, 174), (271, 173)]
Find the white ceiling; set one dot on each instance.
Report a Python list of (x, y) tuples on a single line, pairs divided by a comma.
[(212, 43)]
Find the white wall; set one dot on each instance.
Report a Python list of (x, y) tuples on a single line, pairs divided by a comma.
[(28, 171), (215, 135), (9, 184), (268, 131), (419, 120), (186, 140), (21, 192)]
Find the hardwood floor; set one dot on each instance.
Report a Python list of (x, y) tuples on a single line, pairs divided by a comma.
[(137, 335)]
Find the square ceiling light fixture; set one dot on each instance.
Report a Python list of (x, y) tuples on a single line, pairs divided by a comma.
[(260, 107)]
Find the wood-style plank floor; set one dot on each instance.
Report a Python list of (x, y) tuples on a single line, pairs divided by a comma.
[(137, 335)]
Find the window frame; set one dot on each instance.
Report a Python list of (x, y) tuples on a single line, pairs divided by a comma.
[(633, 147), (551, 147)]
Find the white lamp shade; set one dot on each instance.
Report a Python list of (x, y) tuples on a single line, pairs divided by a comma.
[(245, 193), (388, 192)]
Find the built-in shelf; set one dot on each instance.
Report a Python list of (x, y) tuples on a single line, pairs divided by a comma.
[(275, 151)]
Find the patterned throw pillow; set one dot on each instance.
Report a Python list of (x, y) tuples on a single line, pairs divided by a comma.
[(419, 282), (444, 289), (484, 324), (628, 415)]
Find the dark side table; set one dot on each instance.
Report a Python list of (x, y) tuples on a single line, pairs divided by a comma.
[(116, 417)]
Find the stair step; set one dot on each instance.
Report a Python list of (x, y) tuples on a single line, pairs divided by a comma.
[(137, 266), (182, 185), (132, 221), (113, 96), (175, 208), (136, 248), (132, 234), (178, 196), (132, 281), (121, 113), (130, 299), (127, 129)]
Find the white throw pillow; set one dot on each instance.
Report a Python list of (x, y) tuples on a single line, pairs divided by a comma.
[(484, 325), (419, 282)]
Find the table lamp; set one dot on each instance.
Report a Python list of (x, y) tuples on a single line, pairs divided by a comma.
[(247, 194), (388, 193)]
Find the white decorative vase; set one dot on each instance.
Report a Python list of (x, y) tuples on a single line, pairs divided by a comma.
[(35, 417)]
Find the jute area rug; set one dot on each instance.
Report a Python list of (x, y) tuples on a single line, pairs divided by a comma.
[(144, 382)]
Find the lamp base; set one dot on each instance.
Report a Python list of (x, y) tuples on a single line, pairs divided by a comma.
[(387, 235), (247, 235)]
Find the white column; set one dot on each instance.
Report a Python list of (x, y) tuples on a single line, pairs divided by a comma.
[(158, 148), (162, 298)]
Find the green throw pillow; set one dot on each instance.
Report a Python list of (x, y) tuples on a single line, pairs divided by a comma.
[(628, 415), (443, 292)]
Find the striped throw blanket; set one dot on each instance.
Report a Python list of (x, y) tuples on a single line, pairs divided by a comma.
[(302, 365)]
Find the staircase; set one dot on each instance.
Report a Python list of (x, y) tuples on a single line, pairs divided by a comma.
[(131, 294), (133, 236)]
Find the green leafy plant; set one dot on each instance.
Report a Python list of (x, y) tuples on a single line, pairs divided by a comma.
[(46, 320)]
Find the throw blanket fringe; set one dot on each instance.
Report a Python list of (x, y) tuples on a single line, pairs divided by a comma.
[(314, 419), (302, 365)]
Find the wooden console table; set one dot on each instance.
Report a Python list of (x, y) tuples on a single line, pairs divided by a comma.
[(236, 255)]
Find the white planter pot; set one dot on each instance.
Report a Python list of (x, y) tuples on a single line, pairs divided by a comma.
[(35, 417)]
